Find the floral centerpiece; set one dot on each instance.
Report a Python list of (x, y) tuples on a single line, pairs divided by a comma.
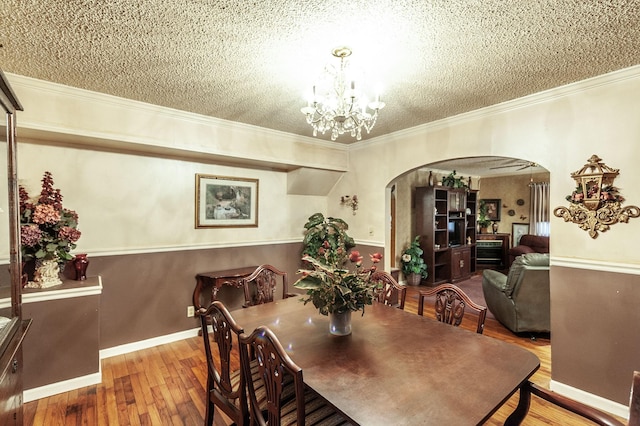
[(48, 232), (413, 266), (334, 289)]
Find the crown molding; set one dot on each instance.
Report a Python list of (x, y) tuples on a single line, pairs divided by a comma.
[(631, 73), (185, 116)]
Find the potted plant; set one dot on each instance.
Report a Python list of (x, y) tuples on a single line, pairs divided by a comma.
[(334, 289), (326, 239), (453, 181), (483, 219), (413, 266)]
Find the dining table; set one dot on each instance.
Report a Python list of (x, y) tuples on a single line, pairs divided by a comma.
[(396, 367)]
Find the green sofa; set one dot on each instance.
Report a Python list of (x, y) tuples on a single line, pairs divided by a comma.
[(520, 300)]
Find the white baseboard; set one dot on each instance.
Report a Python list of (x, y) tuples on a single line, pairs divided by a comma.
[(149, 343), (60, 387), (96, 378), (591, 399)]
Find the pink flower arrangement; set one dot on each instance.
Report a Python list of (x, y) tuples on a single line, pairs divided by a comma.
[(47, 230)]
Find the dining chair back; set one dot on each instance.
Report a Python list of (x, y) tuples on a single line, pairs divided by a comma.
[(450, 305), (388, 291), (260, 286), (285, 404), (225, 388)]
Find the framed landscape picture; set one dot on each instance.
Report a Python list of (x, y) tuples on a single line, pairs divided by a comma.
[(493, 208), (517, 231), (223, 201)]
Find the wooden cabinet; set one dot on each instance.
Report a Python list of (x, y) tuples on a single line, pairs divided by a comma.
[(460, 264), (12, 328), (446, 222), (11, 377)]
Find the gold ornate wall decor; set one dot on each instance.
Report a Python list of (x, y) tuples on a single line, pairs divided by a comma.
[(596, 203)]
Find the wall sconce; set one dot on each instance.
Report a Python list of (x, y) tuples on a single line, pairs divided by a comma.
[(350, 201), (596, 203)]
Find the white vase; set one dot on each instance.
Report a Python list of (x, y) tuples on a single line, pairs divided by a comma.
[(340, 323), (47, 274)]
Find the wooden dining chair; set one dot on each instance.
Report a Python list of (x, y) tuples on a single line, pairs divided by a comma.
[(260, 286), (450, 305), (388, 291), (598, 417), (295, 404), (225, 388)]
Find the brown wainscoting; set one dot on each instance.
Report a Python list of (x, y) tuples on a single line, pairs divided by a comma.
[(62, 343), (595, 330), (146, 295)]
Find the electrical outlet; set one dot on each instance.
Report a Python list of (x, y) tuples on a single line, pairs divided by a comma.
[(191, 311)]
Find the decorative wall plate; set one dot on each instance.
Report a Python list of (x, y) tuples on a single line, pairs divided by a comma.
[(596, 204), (511, 212), (520, 202)]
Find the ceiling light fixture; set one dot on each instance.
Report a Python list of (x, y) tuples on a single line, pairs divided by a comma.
[(337, 106)]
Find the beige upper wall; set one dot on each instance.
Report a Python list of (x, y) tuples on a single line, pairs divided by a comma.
[(61, 114), (559, 129)]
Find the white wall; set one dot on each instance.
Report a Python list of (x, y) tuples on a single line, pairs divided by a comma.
[(559, 129), (129, 203), (135, 197)]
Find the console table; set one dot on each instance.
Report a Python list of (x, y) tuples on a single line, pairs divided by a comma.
[(216, 279), (493, 250)]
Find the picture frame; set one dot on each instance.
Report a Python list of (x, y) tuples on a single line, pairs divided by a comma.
[(517, 231), (223, 201), (493, 208)]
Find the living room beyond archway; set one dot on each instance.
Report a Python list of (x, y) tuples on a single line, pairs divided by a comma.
[(507, 181)]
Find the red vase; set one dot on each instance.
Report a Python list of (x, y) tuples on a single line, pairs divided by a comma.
[(80, 263)]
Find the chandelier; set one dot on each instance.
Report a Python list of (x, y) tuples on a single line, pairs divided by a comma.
[(337, 105)]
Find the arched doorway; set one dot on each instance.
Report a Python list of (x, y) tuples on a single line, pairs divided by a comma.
[(499, 178)]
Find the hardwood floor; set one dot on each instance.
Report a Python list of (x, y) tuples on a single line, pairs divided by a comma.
[(164, 385)]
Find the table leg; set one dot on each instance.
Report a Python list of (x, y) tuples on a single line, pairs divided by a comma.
[(522, 409)]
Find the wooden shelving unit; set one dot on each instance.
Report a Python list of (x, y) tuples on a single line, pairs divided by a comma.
[(446, 222)]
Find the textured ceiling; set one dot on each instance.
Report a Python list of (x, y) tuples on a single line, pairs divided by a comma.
[(253, 61)]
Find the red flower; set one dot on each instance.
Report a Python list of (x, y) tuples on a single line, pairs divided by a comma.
[(375, 257), (354, 256)]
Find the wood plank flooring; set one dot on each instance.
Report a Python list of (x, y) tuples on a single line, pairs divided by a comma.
[(164, 385)]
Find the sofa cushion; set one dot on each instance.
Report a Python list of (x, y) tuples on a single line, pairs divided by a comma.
[(520, 249), (529, 244), (538, 243)]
